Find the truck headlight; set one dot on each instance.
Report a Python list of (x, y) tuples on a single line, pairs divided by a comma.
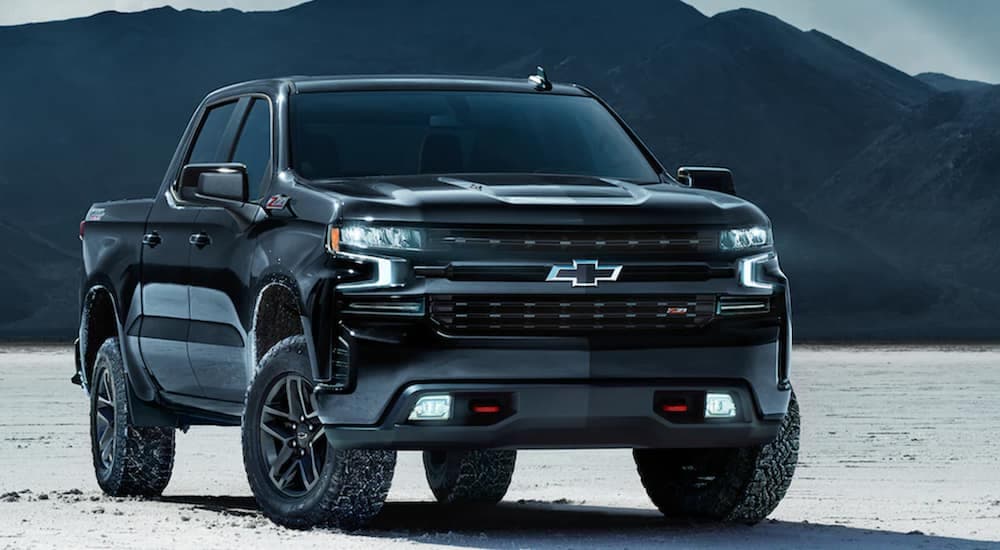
[(357, 235), (746, 237)]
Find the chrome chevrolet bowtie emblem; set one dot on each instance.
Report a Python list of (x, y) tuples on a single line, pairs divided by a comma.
[(584, 273)]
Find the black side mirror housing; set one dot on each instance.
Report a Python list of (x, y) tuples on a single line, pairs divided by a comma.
[(703, 177), (214, 184)]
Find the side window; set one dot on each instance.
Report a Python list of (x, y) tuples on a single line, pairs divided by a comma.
[(254, 146), (209, 141)]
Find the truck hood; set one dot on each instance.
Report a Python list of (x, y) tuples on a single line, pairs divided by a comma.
[(532, 199)]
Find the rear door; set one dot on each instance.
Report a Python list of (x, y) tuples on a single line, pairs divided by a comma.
[(221, 290), (166, 274)]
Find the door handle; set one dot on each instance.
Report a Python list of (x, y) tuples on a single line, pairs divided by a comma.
[(200, 240), (152, 240)]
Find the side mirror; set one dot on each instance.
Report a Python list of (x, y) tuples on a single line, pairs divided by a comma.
[(712, 179), (223, 185)]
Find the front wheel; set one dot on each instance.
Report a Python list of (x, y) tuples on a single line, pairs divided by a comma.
[(736, 485), (298, 479)]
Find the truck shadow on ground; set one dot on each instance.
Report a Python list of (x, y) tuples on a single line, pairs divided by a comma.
[(556, 525)]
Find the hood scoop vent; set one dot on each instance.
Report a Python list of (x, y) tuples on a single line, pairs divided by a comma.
[(572, 192)]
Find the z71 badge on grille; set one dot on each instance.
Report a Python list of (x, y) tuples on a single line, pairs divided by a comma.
[(584, 273)]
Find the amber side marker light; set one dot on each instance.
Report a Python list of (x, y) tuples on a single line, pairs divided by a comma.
[(333, 240)]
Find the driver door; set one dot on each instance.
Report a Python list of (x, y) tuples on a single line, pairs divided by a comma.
[(220, 265)]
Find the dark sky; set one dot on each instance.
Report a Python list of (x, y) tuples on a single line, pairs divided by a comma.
[(958, 37)]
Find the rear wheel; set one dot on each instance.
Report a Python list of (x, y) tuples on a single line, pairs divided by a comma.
[(469, 477), (128, 460), (737, 485), (298, 479)]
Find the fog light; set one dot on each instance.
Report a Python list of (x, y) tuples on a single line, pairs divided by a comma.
[(719, 405), (432, 407)]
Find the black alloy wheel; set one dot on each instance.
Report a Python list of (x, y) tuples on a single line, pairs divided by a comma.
[(292, 441)]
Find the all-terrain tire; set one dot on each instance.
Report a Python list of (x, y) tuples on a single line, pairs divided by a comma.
[(732, 485), (133, 461), (351, 485), (479, 477)]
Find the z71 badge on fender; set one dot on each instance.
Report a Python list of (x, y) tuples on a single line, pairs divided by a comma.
[(276, 202)]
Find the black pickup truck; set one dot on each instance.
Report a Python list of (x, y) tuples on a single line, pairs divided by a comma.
[(347, 267)]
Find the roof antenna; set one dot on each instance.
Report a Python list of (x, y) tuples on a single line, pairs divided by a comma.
[(542, 83)]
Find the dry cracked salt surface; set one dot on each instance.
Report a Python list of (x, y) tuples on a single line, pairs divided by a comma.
[(900, 449)]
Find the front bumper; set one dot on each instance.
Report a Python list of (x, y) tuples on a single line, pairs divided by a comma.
[(563, 415), (574, 394), (579, 388)]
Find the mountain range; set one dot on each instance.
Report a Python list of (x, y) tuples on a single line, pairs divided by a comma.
[(880, 185)]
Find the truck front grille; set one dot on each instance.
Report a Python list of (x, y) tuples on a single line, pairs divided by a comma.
[(596, 240), (540, 315)]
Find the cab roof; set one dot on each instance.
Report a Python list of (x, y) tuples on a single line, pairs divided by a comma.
[(309, 84)]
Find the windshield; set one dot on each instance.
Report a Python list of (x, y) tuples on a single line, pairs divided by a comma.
[(359, 134)]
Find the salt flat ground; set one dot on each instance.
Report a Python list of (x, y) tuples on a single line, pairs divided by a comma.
[(900, 449)]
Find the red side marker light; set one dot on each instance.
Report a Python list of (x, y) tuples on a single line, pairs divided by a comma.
[(486, 409), (675, 408), (83, 227)]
